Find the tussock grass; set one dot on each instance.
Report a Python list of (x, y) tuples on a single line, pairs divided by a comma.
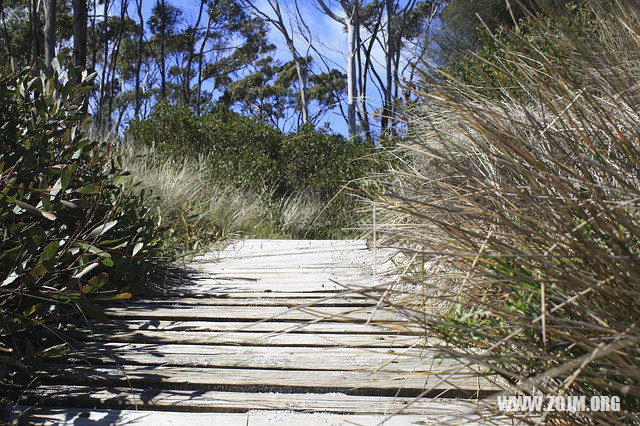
[(518, 213), (185, 192)]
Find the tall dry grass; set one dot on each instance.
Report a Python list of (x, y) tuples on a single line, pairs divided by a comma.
[(518, 211), (186, 193)]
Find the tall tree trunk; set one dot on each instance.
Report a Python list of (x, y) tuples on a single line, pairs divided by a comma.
[(301, 69), (36, 53), (80, 33), (49, 30), (351, 74), (80, 40), (124, 4), (4, 29), (386, 111), (163, 67), (94, 41), (105, 52), (363, 114), (368, 57), (186, 87), (139, 62), (200, 59)]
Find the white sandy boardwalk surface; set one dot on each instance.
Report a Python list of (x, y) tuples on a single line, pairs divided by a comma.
[(260, 333)]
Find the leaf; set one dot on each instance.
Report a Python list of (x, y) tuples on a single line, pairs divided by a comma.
[(50, 251), (137, 248), (65, 176), (89, 247), (102, 229), (57, 350), (96, 283), (38, 271), (86, 270), (90, 189), (33, 210), (61, 297), (55, 64), (92, 311), (107, 261), (121, 296)]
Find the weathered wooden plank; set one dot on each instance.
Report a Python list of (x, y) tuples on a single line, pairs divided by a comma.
[(372, 382), (285, 357), (215, 285), (95, 417), (180, 302), (248, 338), (247, 326), (144, 310), (301, 270), (190, 400), (284, 295)]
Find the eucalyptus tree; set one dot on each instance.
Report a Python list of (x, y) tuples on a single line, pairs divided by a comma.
[(230, 44), (49, 30), (138, 98), (164, 26), (348, 15), (80, 16), (274, 16)]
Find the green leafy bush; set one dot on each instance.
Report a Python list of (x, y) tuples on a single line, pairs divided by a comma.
[(240, 150), (320, 162), (311, 166), (72, 228), (490, 66)]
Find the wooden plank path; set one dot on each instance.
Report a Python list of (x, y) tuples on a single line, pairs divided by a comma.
[(261, 333)]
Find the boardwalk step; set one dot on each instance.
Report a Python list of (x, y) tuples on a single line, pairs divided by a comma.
[(314, 326), (97, 417), (284, 357), (216, 401), (273, 313), (268, 380), (246, 338)]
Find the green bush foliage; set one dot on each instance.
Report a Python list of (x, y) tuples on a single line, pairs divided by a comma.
[(240, 150), (73, 229), (490, 67), (249, 154), (320, 162)]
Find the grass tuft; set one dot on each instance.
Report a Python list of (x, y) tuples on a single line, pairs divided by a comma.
[(518, 212)]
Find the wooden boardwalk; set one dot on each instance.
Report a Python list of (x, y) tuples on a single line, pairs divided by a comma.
[(262, 333)]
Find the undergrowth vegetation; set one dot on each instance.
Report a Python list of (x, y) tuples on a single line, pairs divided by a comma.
[(186, 193), (248, 178), (75, 229), (518, 210)]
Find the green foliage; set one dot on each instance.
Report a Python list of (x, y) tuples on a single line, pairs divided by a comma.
[(248, 154), (240, 150), (320, 162), (492, 65), (72, 229), (170, 129)]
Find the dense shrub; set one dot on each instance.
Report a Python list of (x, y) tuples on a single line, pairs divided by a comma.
[(520, 217), (240, 150), (72, 229), (311, 166), (321, 162)]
